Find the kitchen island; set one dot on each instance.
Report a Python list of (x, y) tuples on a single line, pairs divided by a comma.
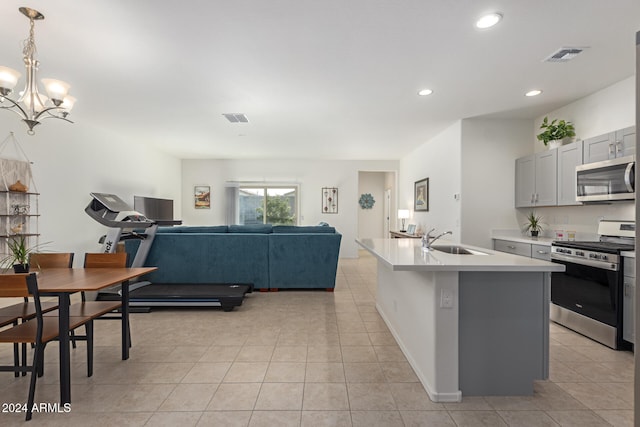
[(469, 324)]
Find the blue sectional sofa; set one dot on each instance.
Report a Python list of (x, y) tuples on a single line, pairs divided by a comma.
[(269, 257)]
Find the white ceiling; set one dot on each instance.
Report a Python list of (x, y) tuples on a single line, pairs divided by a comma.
[(317, 79)]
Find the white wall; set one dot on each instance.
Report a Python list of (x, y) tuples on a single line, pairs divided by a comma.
[(439, 160), (311, 175), (489, 150), (72, 160), (471, 169), (604, 111), (371, 221)]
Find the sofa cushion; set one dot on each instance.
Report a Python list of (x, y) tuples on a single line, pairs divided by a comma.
[(195, 229), (255, 228), (293, 229)]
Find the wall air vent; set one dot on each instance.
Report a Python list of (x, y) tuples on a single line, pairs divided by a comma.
[(236, 117), (564, 54)]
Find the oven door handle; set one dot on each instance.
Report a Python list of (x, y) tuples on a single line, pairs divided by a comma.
[(588, 262), (628, 175)]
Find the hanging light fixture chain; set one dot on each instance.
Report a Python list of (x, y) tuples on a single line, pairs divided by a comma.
[(29, 49)]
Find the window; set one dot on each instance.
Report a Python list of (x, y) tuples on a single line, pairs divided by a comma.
[(275, 205)]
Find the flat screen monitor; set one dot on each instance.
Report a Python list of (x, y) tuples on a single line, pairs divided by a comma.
[(154, 208)]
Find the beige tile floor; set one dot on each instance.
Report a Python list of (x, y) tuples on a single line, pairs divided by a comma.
[(305, 358)]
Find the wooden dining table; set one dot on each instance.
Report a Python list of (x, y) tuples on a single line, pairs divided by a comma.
[(62, 283)]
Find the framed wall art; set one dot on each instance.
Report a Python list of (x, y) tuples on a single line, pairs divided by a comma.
[(330, 200), (421, 195), (202, 196)]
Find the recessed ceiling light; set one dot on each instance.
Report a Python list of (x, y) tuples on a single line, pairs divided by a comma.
[(534, 92), (488, 20), (425, 92)]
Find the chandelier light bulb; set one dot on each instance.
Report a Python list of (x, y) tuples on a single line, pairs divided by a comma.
[(8, 79), (56, 89)]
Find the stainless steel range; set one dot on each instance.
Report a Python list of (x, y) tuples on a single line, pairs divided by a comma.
[(588, 296)]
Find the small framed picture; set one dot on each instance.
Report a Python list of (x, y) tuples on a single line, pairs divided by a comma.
[(411, 229), (330, 200), (202, 197), (421, 195)]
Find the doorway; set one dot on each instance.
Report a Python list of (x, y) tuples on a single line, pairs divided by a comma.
[(381, 218)]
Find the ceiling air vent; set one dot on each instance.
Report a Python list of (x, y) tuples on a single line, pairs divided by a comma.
[(564, 54), (236, 117)]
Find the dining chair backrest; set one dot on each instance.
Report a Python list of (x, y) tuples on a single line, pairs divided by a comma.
[(51, 259), (105, 260), (18, 285)]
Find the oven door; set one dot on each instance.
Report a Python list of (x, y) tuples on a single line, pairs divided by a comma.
[(592, 288)]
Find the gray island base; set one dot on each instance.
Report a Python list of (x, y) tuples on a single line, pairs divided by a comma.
[(468, 324)]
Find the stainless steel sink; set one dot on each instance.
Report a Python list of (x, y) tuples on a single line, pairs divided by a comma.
[(456, 250)]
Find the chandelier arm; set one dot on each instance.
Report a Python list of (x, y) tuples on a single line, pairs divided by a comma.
[(50, 114), (15, 104)]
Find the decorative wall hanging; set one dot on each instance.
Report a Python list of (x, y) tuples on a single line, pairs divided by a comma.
[(202, 197), (366, 201), (329, 200), (421, 195)]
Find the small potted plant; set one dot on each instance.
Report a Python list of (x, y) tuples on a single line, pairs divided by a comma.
[(533, 224), (555, 131), (19, 252)]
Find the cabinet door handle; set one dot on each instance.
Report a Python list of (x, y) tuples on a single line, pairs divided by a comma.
[(618, 146), (511, 247), (611, 149), (543, 252), (536, 197)]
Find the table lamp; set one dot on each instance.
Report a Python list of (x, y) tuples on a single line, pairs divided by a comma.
[(403, 214)]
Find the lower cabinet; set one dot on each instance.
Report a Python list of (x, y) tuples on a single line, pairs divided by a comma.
[(530, 250), (628, 304)]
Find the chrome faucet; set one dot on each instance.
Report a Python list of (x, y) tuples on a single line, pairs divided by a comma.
[(428, 239)]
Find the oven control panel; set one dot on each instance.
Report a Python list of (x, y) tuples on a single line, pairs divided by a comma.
[(583, 254)]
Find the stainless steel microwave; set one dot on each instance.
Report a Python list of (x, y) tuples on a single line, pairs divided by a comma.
[(607, 180)]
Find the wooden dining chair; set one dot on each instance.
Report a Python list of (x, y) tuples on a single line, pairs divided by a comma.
[(37, 331), (51, 260), (97, 310), (26, 309)]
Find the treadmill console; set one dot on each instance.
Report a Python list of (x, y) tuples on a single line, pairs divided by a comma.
[(112, 211)]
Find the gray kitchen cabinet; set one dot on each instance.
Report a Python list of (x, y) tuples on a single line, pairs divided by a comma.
[(541, 252), (628, 304), (511, 247), (536, 179), (569, 156), (611, 145), (530, 250)]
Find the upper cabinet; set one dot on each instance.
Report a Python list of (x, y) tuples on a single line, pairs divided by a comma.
[(611, 145), (536, 179), (569, 156), (548, 178)]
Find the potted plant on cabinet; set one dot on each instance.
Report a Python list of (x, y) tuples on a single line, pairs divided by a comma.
[(18, 256), (555, 131), (533, 224)]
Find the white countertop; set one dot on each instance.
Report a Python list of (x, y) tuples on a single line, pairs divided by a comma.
[(546, 241), (407, 255)]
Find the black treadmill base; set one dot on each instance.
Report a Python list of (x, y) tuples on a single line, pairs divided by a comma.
[(225, 295)]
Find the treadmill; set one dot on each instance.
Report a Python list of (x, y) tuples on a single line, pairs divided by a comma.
[(114, 213)]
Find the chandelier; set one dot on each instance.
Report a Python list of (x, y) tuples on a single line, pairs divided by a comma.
[(32, 106)]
